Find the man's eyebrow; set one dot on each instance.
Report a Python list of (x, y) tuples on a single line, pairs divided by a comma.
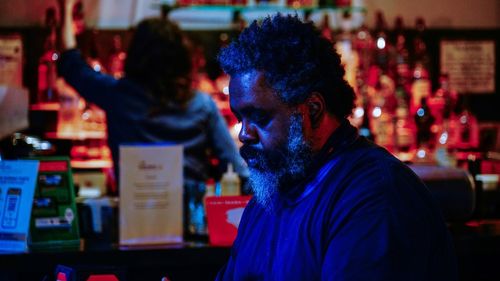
[(247, 110)]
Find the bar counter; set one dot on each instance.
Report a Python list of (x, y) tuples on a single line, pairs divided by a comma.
[(477, 245)]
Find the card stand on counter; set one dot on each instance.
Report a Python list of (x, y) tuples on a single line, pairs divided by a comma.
[(54, 221), (17, 186)]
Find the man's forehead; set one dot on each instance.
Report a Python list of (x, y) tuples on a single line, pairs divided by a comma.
[(249, 80), (251, 87)]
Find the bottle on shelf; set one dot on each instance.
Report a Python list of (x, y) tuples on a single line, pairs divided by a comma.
[(421, 84), (381, 88), (93, 58), (401, 54), (210, 189), (348, 54), (382, 125), (404, 127), (424, 121), (326, 30), (365, 129), (442, 102), (444, 151), (382, 44), (466, 133), (116, 59), (230, 182), (363, 44), (47, 75), (195, 216), (420, 53)]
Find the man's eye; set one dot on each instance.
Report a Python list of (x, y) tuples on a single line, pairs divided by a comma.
[(260, 119)]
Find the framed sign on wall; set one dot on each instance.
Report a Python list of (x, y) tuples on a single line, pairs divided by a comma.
[(470, 65)]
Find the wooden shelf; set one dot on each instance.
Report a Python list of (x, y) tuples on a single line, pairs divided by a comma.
[(49, 106), (83, 135)]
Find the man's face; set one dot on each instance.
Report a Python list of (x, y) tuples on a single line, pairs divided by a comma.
[(272, 136)]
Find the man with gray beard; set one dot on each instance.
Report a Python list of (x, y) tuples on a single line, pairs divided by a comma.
[(268, 174), (328, 204)]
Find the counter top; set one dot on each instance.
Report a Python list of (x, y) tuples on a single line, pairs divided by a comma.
[(477, 244)]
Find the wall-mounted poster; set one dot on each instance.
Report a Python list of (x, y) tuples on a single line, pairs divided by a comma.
[(469, 64)]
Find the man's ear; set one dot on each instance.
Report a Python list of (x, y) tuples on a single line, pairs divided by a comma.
[(316, 108)]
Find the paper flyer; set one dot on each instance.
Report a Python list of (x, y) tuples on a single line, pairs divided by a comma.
[(17, 187), (151, 189)]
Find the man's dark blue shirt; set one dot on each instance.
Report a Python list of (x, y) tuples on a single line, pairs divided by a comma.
[(361, 215)]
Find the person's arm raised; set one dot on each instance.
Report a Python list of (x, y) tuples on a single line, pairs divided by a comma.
[(67, 31)]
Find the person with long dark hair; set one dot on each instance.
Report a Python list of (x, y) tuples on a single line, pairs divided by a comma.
[(154, 102)]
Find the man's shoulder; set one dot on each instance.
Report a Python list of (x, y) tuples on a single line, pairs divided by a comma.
[(363, 157), (366, 169)]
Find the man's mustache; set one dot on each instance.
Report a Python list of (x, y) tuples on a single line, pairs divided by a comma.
[(248, 152), (268, 159)]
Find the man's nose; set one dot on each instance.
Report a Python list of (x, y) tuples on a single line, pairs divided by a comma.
[(247, 133)]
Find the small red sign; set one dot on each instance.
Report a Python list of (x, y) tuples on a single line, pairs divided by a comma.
[(223, 217), (102, 277), (53, 166)]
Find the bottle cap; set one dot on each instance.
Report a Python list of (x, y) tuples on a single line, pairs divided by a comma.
[(230, 174)]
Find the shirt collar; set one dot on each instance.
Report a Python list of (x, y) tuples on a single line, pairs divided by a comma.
[(343, 137)]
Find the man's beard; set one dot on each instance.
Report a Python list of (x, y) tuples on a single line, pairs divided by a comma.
[(276, 171)]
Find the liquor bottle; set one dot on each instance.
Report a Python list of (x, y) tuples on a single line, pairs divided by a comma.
[(116, 59), (210, 187), (382, 106), (94, 118), (381, 88), (363, 44), (93, 54), (401, 55), (47, 75), (404, 127), (466, 134), (423, 122), (382, 43), (365, 129), (443, 100), (195, 223), (444, 146), (421, 85), (442, 105), (419, 46), (348, 54), (382, 125), (326, 31)]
